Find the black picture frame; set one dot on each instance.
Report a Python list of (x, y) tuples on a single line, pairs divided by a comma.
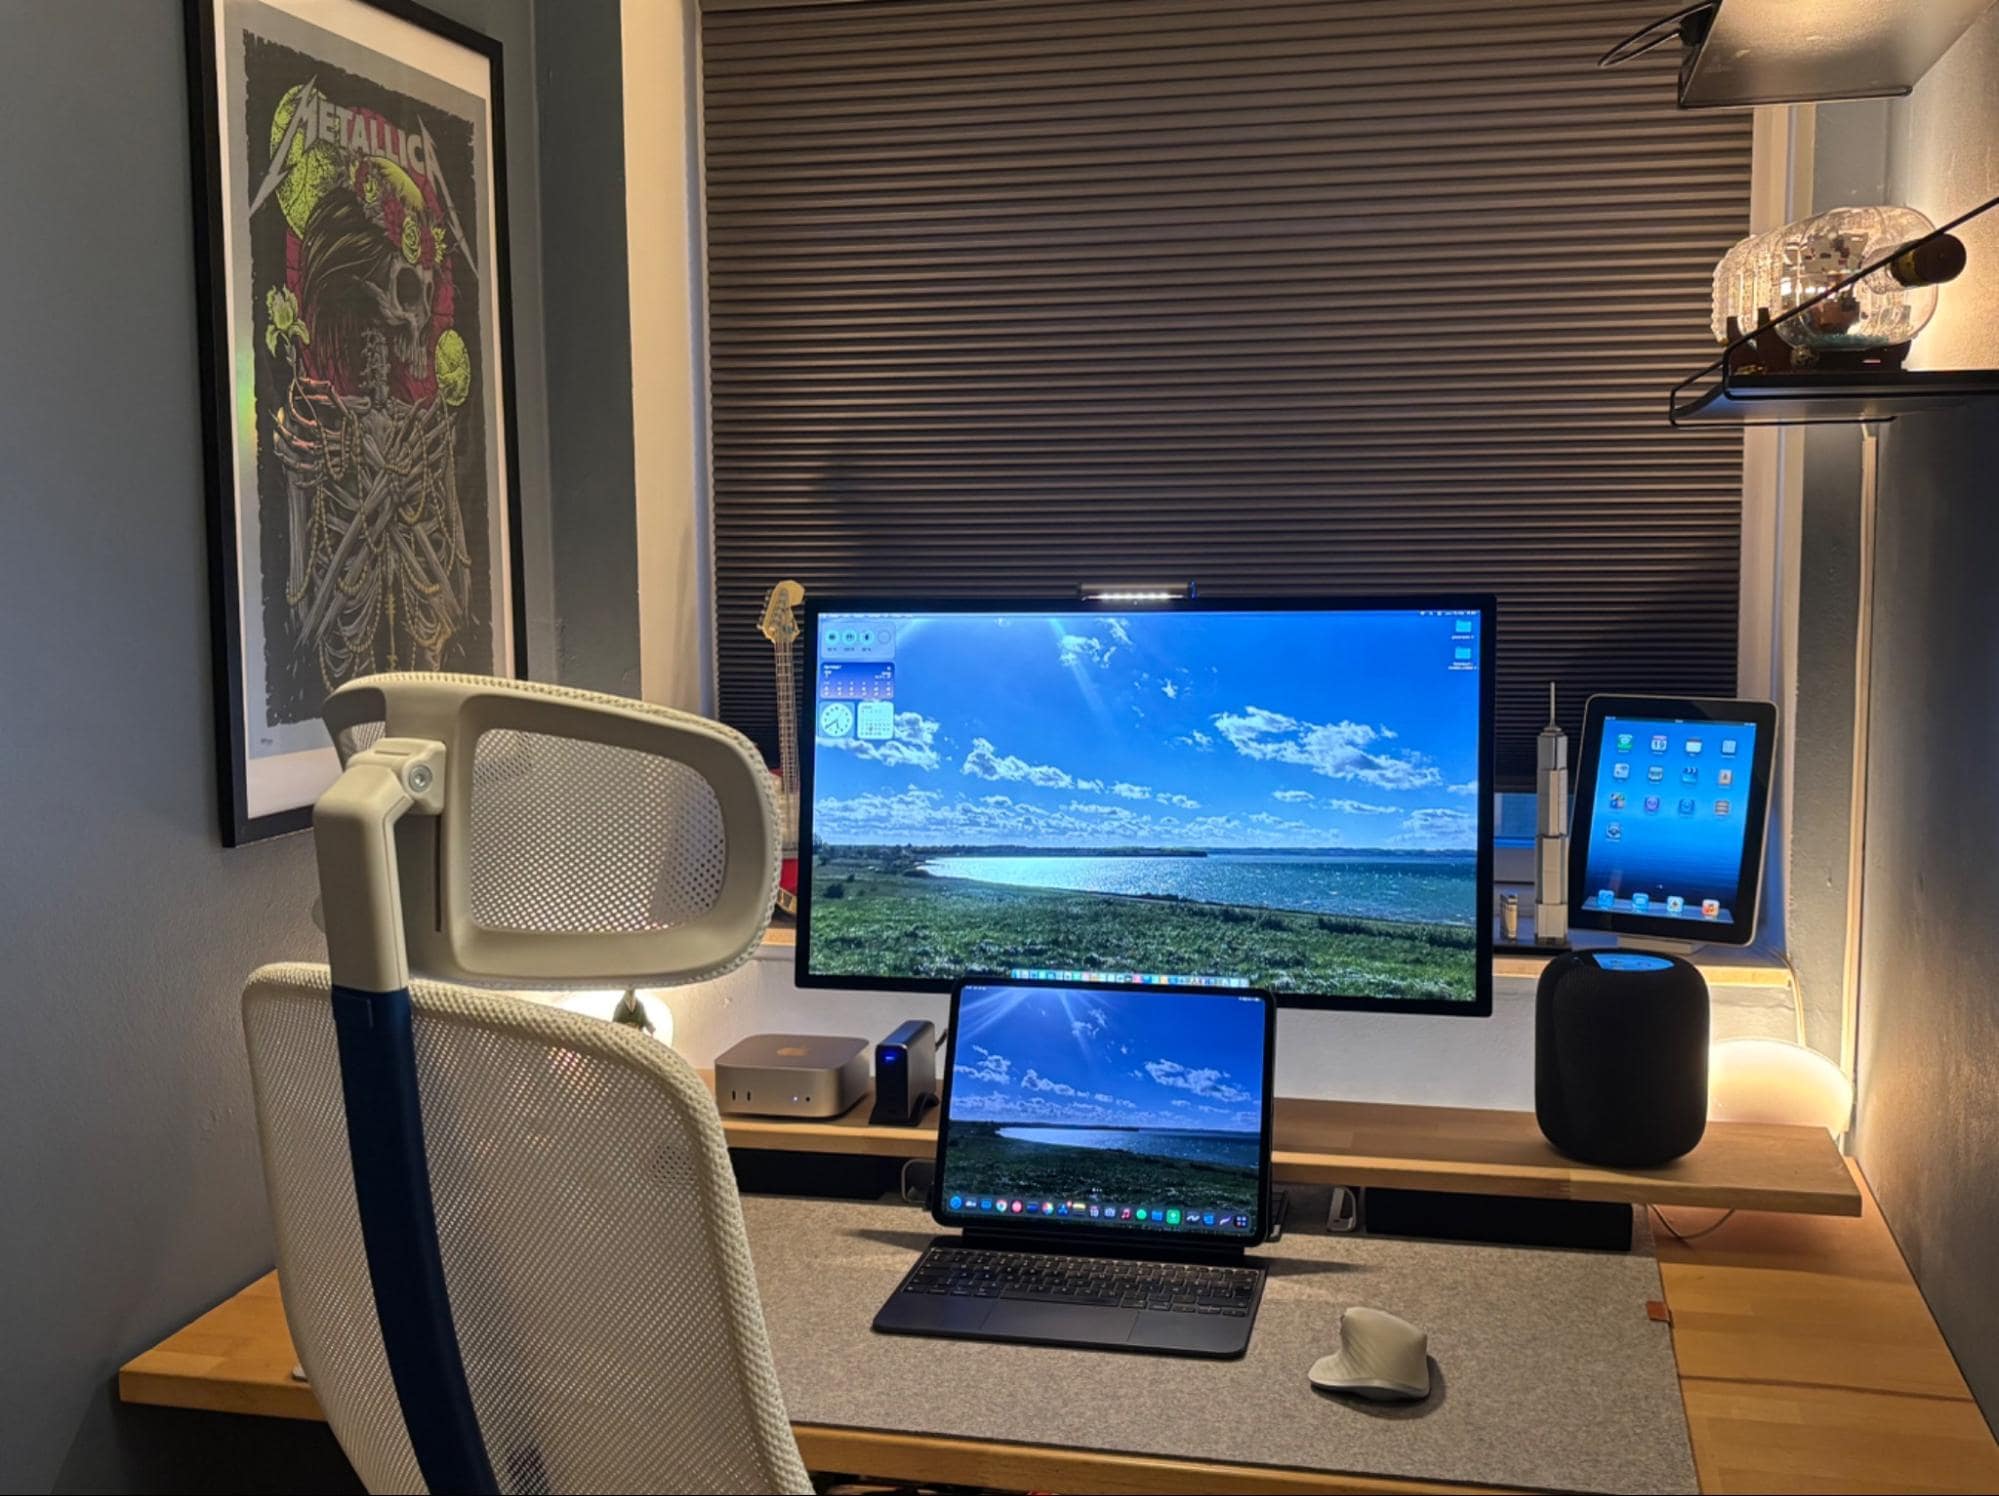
[(208, 135), (1478, 1005)]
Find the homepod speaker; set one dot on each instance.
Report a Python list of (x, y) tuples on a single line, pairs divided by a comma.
[(1620, 1057)]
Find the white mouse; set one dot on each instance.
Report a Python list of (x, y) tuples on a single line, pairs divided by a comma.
[(1380, 1357)]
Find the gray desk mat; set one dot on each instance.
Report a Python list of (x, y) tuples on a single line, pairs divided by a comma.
[(1547, 1372)]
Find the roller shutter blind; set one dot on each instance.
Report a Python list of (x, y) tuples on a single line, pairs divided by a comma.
[(1355, 296)]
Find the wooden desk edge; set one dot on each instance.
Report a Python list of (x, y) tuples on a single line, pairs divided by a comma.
[(1578, 1183), (151, 1386), (894, 1455)]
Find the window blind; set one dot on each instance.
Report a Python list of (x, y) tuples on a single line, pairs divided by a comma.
[(1361, 296)]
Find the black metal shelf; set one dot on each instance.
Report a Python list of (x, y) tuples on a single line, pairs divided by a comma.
[(1725, 393), (1835, 397), (1782, 51)]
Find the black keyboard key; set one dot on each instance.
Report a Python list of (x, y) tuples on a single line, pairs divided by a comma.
[(1178, 1288)]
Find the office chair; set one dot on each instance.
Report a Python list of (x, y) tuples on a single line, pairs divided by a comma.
[(509, 1240)]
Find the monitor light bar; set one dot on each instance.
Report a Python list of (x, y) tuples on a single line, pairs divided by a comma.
[(1135, 592)]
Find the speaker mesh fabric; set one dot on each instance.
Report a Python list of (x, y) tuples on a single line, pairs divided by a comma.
[(593, 1247), (581, 837)]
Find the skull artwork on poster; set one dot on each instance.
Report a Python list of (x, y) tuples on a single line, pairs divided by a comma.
[(375, 376)]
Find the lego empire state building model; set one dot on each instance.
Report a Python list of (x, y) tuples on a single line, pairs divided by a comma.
[(1551, 831)]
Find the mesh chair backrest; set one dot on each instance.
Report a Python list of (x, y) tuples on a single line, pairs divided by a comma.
[(583, 837), (593, 1245)]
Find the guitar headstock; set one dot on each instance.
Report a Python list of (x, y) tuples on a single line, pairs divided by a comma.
[(779, 623)]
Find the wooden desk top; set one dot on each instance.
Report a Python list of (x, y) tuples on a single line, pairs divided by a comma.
[(1739, 1165), (1807, 1360)]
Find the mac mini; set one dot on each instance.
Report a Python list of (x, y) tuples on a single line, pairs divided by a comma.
[(791, 1075)]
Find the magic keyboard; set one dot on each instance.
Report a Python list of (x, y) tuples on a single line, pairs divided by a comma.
[(1176, 1287)]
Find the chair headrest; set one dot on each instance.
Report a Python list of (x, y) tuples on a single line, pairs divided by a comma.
[(513, 833)]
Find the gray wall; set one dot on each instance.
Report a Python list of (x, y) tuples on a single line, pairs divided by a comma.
[(129, 1185), (1928, 1134), (1821, 729), (587, 307), (1849, 166)]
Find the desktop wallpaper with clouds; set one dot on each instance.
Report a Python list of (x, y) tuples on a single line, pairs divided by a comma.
[(1289, 797), (1072, 1097)]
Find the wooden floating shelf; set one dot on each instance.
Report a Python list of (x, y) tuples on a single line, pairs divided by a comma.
[(1456, 1150)]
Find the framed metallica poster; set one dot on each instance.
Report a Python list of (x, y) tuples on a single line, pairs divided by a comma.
[(357, 366)]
